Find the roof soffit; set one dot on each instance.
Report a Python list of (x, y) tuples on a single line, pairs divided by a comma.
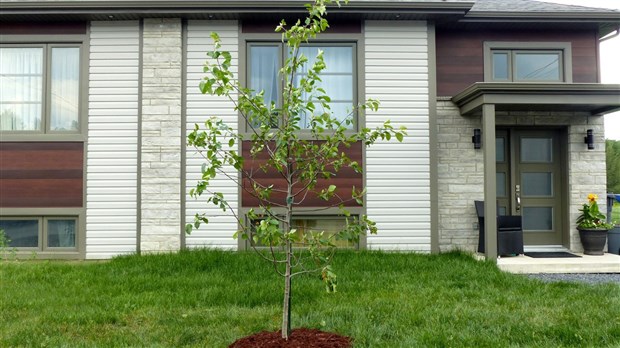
[(594, 98)]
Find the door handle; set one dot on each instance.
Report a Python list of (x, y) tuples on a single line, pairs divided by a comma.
[(518, 197)]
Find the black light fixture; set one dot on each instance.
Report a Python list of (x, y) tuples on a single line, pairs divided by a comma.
[(477, 139), (589, 139)]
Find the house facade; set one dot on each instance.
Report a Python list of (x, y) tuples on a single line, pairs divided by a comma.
[(97, 99)]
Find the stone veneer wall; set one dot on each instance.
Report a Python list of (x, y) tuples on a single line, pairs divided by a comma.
[(460, 168), (460, 178), (161, 135)]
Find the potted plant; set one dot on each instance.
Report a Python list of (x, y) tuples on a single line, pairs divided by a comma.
[(592, 227)]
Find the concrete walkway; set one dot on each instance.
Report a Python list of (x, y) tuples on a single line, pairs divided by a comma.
[(608, 263)]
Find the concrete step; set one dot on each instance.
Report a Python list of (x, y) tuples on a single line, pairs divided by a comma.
[(607, 263)]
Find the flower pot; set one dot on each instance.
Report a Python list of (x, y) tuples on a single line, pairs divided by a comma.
[(593, 241), (613, 240)]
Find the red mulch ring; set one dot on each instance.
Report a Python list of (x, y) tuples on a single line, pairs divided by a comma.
[(299, 338)]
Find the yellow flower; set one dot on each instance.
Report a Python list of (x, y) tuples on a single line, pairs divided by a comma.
[(592, 197)]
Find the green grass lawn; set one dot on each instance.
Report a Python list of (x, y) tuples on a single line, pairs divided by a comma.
[(615, 212), (210, 298)]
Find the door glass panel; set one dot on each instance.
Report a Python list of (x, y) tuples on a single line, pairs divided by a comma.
[(537, 218), (61, 233), (500, 148), (537, 184), (536, 150), (21, 233), (500, 180), (501, 211)]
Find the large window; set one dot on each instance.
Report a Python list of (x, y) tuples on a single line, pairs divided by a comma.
[(528, 62), (522, 65), (40, 233), (338, 79), (40, 88)]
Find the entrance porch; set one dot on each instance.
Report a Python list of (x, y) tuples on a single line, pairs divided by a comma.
[(528, 110)]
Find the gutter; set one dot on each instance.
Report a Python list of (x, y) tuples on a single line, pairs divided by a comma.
[(23, 7), (536, 16), (610, 35)]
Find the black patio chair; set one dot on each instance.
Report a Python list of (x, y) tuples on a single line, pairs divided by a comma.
[(509, 232)]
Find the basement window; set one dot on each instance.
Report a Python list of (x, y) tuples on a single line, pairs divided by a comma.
[(40, 233), (328, 224)]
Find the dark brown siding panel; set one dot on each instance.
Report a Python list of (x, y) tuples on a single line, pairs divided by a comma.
[(43, 28), (460, 55), (37, 175), (344, 181)]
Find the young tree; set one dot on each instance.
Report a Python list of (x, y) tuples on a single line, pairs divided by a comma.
[(304, 163)]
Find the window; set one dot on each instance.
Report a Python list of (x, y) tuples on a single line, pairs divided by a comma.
[(527, 65), (338, 79), (40, 88), (329, 224), (528, 62), (40, 233)]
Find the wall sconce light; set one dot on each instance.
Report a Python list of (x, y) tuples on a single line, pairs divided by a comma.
[(589, 139), (477, 139)]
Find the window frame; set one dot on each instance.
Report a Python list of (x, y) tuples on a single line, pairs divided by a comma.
[(246, 244), (48, 42), (563, 49), (76, 253), (43, 232), (336, 41)]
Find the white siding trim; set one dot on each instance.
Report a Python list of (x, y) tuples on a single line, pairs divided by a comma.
[(111, 164), (222, 225), (398, 174)]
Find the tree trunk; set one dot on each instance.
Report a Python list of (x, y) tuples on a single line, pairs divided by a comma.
[(286, 308)]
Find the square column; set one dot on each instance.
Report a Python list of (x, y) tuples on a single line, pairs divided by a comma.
[(490, 195)]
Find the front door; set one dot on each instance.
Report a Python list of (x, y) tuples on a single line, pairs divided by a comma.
[(530, 182)]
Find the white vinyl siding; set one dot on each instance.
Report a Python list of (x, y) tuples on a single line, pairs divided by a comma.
[(398, 174), (112, 155), (222, 225)]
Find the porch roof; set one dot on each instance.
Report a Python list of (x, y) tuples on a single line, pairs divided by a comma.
[(594, 98)]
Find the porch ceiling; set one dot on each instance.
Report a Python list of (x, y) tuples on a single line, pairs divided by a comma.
[(594, 98)]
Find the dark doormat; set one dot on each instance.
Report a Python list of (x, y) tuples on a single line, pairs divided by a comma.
[(550, 254)]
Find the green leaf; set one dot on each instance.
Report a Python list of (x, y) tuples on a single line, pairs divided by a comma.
[(188, 228)]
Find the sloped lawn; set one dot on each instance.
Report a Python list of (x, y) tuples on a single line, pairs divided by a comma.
[(210, 298), (615, 212)]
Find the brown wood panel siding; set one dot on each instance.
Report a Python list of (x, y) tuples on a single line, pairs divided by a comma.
[(344, 181), (460, 54), (43, 28), (41, 175)]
